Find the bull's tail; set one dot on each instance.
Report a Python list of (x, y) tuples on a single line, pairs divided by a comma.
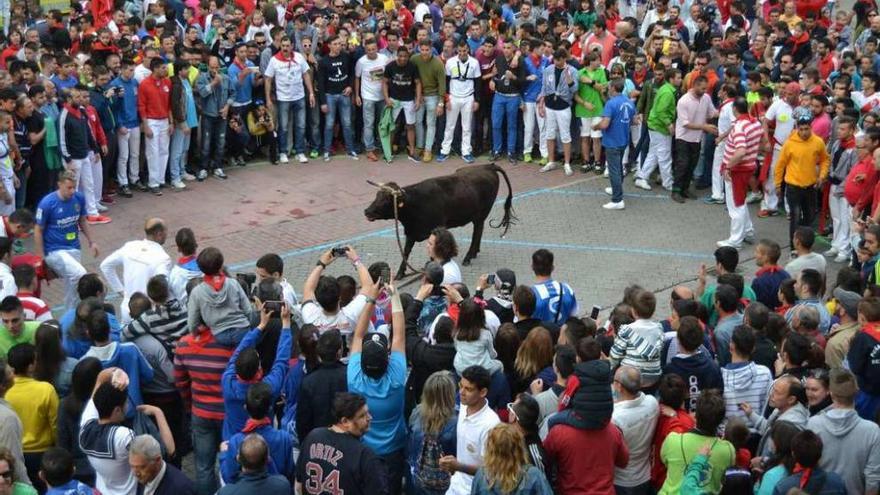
[(509, 218)]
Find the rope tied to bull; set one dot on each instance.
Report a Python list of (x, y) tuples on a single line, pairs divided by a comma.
[(395, 196)]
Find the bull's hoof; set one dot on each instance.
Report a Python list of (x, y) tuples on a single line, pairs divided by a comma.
[(466, 262)]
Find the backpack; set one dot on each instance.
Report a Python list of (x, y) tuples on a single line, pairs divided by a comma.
[(430, 476)]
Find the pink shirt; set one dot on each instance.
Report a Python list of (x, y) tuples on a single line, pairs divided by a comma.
[(822, 126), (695, 111), (607, 44)]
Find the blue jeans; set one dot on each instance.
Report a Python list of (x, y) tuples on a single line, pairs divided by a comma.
[(295, 111), (314, 125), (177, 156), (207, 435), (372, 110), (502, 106), (213, 142), (343, 104), (614, 157), (427, 114), (232, 336)]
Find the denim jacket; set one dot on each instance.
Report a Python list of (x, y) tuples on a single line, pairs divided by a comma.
[(213, 98), (551, 86), (447, 438)]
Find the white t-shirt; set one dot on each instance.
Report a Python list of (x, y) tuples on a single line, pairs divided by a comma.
[(461, 74), (472, 432), (288, 76), (421, 11), (114, 476), (371, 73), (782, 113), (725, 117), (451, 273), (141, 73), (344, 320)]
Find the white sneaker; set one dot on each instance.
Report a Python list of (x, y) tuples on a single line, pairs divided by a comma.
[(611, 205), (102, 208), (605, 173), (832, 252), (726, 243), (179, 185), (608, 191), (188, 176), (326, 157), (842, 258), (283, 158), (642, 184), (567, 168), (550, 166), (302, 158)]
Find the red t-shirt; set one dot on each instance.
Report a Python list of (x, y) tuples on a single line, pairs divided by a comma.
[(858, 194), (680, 423), (586, 458)]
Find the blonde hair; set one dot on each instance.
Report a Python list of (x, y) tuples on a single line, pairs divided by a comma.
[(505, 459), (438, 402), (535, 353)]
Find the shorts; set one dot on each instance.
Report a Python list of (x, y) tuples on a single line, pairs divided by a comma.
[(558, 122), (409, 111), (587, 124)]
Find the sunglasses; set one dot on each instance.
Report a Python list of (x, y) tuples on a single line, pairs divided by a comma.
[(511, 412)]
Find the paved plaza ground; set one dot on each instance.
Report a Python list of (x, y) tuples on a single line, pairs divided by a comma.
[(299, 210)]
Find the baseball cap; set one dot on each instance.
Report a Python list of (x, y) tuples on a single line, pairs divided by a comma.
[(374, 356), (793, 87), (505, 281), (805, 120), (848, 300)]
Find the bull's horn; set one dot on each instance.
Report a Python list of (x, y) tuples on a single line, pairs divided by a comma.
[(372, 183)]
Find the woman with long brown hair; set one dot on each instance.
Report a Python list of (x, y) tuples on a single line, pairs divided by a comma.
[(533, 357), (505, 469), (52, 364), (432, 434)]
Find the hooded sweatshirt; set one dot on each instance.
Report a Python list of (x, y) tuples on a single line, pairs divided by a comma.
[(586, 403), (798, 160), (220, 310), (745, 382), (850, 448), (864, 350), (128, 357), (699, 373), (181, 273)]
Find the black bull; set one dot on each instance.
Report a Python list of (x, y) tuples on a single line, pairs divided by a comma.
[(449, 201)]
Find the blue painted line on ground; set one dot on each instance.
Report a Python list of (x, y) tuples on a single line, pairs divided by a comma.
[(602, 193)]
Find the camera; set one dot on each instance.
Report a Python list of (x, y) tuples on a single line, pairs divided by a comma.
[(118, 91), (490, 279), (385, 274), (339, 251), (273, 307)]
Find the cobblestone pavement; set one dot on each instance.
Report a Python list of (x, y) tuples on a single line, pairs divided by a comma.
[(300, 210)]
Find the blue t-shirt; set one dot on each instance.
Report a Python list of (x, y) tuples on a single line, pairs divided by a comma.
[(192, 118), (387, 433), (619, 110), (59, 220), (548, 301)]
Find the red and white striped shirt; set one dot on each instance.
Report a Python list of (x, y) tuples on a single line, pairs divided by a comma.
[(35, 309), (745, 133)]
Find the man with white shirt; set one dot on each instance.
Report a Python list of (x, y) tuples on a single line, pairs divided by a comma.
[(143, 70), (464, 73), (320, 305), (290, 72), (635, 413), (369, 72), (140, 261), (725, 121), (782, 113), (7, 280)]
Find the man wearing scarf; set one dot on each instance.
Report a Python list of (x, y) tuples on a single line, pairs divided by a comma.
[(798, 46), (843, 158), (737, 166)]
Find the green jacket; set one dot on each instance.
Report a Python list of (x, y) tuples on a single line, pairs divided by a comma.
[(663, 110), (646, 97), (587, 19), (589, 94)]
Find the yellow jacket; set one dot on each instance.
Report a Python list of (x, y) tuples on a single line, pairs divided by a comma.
[(36, 404), (802, 163)]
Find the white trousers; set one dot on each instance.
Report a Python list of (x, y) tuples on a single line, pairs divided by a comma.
[(771, 200), (740, 221), (128, 164), (635, 132), (659, 153), (66, 264), (91, 180), (531, 117), (840, 216), (465, 107), (558, 122), (717, 179), (9, 184), (157, 151)]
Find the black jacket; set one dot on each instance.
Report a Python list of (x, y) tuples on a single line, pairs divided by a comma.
[(314, 406), (523, 327), (425, 358), (173, 483), (591, 403), (257, 484)]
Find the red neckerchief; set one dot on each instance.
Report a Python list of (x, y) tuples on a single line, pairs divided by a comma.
[(768, 269), (639, 77), (797, 42), (75, 111), (872, 328), (848, 144), (252, 424), (805, 474), (238, 64), (536, 60), (215, 281), (257, 378), (185, 259), (281, 58)]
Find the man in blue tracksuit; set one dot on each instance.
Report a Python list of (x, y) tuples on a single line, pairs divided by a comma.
[(244, 370), (534, 64), (128, 128), (243, 74)]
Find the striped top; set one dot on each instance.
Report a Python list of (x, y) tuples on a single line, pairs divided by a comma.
[(639, 345), (167, 323), (746, 133), (199, 362)]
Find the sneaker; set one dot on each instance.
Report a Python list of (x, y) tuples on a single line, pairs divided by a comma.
[(511, 159), (371, 155), (749, 238), (754, 197), (156, 191), (353, 155), (220, 174), (767, 213), (527, 157), (326, 156), (141, 186), (413, 158), (102, 208), (188, 177), (107, 199), (586, 167), (568, 170), (468, 158), (726, 243), (642, 184), (495, 156), (302, 158), (831, 252), (605, 172), (549, 167), (98, 219), (125, 192), (677, 197), (842, 258), (442, 158), (709, 200), (202, 175), (608, 191), (179, 185), (611, 205), (313, 154), (543, 161), (283, 158), (427, 157)]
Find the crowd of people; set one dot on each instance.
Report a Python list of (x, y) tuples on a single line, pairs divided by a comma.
[(768, 383)]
